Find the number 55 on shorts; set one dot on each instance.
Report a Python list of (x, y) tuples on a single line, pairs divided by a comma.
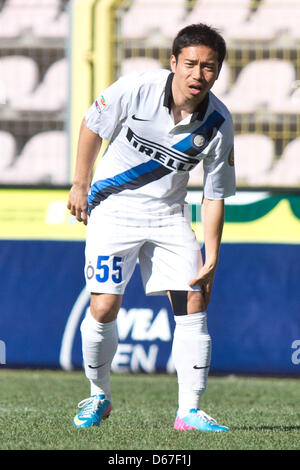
[(107, 271)]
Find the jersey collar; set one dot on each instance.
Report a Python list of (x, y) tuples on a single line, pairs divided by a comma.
[(198, 114)]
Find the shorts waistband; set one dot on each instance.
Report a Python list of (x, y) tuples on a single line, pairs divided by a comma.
[(121, 216)]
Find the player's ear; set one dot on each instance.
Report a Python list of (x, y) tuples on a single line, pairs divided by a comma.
[(173, 63)]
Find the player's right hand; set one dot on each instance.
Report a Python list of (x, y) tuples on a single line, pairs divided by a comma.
[(78, 203)]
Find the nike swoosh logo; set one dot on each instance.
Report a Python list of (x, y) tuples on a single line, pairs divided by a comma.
[(138, 119), (196, 367), (96, 367), (79, 421)]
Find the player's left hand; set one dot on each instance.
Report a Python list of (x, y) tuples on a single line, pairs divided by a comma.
[(204, 279)]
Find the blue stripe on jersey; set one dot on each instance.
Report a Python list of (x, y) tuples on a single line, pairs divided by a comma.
[(134, 178), (187, 145)]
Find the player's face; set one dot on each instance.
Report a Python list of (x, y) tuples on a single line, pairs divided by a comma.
[(195, 72)]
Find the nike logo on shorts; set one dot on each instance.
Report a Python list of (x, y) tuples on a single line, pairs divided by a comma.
[(139, 119), (196, 367)]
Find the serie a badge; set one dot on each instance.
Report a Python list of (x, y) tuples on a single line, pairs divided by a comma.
[(199, 140), (100, 104)]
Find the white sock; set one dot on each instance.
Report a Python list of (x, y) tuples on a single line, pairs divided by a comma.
[(99, 345), (191, 347)]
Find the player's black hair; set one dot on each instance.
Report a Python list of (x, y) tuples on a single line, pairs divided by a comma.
[(199, 34)]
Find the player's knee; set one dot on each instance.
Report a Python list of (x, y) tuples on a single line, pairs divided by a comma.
[(104, 307)]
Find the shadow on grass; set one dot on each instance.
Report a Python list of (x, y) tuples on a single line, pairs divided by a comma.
[(265, 428)]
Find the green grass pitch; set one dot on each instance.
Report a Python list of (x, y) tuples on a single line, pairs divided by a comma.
[(37, 408)]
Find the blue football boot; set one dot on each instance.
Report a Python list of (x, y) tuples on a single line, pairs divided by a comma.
[(94, 409), (199, 421)]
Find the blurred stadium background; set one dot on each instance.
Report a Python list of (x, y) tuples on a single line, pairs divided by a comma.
[(55, 58)]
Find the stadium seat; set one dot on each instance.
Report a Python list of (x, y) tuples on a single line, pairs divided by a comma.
[(44, 160), (222, 84), (258, 83), (289, 105), (295, 30), (272, 18), (8, 149), (172, 15), (19, 75), (222, 14), (136, 64), (50, 94), (18, 16), (147, 16), (286, 171), (254, 155), (57, 28)]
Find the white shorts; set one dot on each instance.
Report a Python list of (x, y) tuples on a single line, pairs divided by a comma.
[(167, 250)]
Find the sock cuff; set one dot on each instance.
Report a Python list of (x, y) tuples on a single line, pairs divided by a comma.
[(192, 318), (97, 326), (195, 323)]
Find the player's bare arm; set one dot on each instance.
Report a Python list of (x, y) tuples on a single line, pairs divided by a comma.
[(89, 145), (213, 220)]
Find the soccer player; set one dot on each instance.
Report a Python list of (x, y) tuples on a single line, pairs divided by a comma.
[(159, 125)]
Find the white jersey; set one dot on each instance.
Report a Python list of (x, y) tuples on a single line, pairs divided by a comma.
[(145, 168)]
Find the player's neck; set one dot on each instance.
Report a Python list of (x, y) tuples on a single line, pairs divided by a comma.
[(179, 114), (183, 107), (183, 110)]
